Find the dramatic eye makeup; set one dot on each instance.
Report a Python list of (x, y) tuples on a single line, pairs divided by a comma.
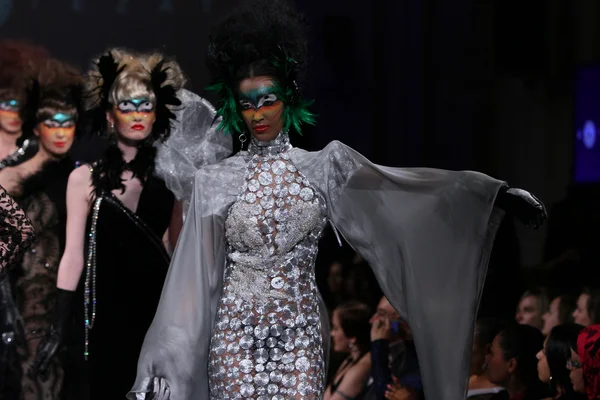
[(136, 105), (257, 98), (10, 105), (60, 120)]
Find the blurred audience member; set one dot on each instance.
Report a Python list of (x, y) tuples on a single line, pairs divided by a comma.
[(533, 304), (350, 334), (393, 356), (560, 312), (585, 363), (512, 363), (553, 358), (480, 387), (588, 307)]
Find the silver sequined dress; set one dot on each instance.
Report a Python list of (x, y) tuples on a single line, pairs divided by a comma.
[(267, 342)]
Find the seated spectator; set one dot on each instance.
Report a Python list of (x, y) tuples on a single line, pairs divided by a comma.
[(588, 308), (560, 312), (533, 304), (512, 363), (350, 333), (480, 387), (393, 356), (584, 364), (552, 361)]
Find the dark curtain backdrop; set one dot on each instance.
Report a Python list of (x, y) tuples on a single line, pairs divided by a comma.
[(462, 84)]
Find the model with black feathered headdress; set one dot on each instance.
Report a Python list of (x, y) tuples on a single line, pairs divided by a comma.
[(240, 315), (119, 212), (49, 112), (19, 64)]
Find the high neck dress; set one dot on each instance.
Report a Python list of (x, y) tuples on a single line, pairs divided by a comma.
[(267, 341), (240, 315)]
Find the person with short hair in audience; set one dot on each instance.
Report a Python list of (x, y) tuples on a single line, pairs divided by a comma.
[(512, 363), (560, 312), (480, 387), (588, 307), (350, 333), (552, 361), (531, 307)]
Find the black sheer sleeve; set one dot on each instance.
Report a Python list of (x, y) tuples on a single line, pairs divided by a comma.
[(16, 232)]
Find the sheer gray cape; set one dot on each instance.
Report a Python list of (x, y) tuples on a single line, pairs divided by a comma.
[(426, 233), (195, 141)]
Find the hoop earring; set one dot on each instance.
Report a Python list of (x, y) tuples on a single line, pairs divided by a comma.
[(112, 126), (243, 139)]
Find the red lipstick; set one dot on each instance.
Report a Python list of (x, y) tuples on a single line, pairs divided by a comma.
[(261, 128), (60, 144), (138, 127)]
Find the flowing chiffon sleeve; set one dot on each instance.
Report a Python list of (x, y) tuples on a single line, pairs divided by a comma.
[(195, 141), (16, 232), (427, 234), (176, 346)]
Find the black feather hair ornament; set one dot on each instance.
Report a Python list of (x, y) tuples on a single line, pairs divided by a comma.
[(94, 119), (166, 95), (106, 175)]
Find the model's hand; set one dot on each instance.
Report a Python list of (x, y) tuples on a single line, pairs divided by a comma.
[(524, 206), (160, 390), (45, 353), (51, 343)]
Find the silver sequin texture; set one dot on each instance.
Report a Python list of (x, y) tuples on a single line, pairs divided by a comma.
[(267, 341)]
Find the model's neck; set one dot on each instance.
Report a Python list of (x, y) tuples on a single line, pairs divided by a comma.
[(280, 144), (42, 156), (8, 143), (129, 150)]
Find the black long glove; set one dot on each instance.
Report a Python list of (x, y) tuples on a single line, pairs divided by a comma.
[(523, 205), (51, 343)]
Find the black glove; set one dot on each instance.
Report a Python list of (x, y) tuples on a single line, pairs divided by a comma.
[(51, 343), (523, 205), (12, 330)]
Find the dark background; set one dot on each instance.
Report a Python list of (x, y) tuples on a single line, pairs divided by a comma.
[(461, 84)]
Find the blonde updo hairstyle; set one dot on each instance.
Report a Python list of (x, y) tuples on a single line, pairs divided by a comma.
[(134, 81)]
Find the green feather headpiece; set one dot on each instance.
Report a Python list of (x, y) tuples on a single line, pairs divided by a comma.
[(296, 111)]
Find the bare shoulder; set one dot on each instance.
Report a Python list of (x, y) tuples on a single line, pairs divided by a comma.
[(365, 360), (80, 180), (81, 175), (362, 367)]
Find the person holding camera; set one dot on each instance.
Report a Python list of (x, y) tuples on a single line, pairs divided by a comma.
[(395, 368)]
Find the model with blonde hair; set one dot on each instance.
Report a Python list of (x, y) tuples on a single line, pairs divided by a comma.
[(119, 217)]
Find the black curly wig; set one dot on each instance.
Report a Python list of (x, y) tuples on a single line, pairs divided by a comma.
[(261, 38), (57, 88)]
